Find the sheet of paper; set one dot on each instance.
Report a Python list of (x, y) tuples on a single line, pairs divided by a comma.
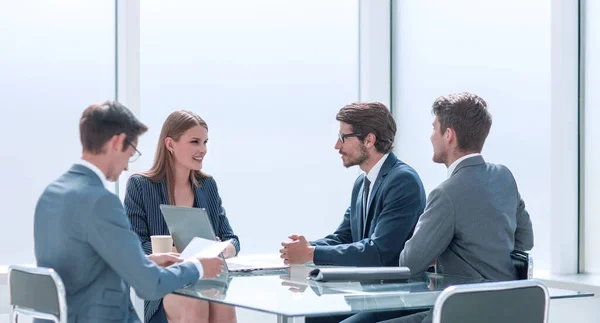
[(200, 247)]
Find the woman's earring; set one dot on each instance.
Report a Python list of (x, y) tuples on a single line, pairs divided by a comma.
[(171, 152)]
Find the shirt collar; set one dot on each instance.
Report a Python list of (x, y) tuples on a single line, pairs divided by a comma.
[(95, 169), (372, 175), (456, 162)]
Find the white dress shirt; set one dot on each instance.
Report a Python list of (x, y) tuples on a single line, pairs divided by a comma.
[(456, 162), (102, 177), (95, 169)]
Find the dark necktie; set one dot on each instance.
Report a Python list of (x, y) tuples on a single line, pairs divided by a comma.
[(365, 203)]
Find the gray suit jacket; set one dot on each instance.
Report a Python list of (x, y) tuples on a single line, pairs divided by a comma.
[(80, 230), (471, 224)]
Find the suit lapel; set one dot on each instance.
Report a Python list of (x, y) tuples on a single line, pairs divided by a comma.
[(200, 199), (164, 191), (385, 168)]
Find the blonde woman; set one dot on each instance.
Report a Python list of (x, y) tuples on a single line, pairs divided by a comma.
[(176, 179)]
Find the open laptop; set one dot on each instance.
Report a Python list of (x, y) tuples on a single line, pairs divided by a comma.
[(185, 223)]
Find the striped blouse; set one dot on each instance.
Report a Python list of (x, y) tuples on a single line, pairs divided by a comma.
[(142, 201)]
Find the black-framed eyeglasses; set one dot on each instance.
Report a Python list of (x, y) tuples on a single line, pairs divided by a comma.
[(136, 153), (342, 136)]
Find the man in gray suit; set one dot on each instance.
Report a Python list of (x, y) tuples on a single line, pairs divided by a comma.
[(81, 230), (476, 217)]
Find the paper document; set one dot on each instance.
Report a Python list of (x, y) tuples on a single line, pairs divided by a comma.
[(200, 247)]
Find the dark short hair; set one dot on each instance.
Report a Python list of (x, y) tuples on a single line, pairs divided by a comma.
[(371, 117), (100, 122), (467, 115)]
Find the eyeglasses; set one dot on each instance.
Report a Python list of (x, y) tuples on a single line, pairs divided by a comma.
[(136, 153), (342, 136)]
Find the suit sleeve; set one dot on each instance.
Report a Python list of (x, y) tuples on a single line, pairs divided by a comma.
[(136, 212), (342, 234), (433, 233), (403, 199), (224, 230), (109, 234), (524, 232)]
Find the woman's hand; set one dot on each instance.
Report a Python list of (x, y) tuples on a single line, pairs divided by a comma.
[(229, 250)]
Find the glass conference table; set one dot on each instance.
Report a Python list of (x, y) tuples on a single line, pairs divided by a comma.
[(287, 293)]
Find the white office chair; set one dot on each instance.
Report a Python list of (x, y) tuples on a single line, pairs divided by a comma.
[(512, 301), (37, 292)]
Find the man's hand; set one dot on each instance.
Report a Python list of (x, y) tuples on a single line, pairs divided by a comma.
[(297, 251), (165, 259), (212, 267)]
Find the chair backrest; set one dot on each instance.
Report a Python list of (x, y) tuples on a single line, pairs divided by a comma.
[(513, 301), (523, 263), (38, 292)]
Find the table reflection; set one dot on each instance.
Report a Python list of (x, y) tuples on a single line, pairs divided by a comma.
[(289, 293)]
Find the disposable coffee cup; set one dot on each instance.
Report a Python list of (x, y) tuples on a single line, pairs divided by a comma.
[(161, 244)]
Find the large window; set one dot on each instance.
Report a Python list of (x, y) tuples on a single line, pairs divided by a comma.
[(268, 77), (57, 57), (509, 57)]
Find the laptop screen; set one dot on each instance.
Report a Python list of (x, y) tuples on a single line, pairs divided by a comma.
[(185, 223)]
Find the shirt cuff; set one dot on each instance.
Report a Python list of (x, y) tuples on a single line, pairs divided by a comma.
[(198, 265)]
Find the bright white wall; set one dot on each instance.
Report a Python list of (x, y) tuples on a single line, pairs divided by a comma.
[(57, 57), (591, 133), (506, 56), (268, 77)]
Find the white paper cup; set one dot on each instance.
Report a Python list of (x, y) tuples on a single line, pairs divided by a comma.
[(161, 244)]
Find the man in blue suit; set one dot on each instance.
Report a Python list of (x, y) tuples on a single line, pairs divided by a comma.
[(386, 202), (80, 228)]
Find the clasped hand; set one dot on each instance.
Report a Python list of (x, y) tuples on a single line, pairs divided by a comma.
[(296, 251)]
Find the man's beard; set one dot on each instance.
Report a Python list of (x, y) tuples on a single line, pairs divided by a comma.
[(439, 157), (360, 159)]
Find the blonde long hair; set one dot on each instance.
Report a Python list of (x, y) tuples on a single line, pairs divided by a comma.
[(176, 125)]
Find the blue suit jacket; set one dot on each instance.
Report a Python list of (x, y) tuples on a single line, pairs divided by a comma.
[(396, 202), (142, 204), (81, 230)]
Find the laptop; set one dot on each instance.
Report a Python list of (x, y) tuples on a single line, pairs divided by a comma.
[(185, 223)]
